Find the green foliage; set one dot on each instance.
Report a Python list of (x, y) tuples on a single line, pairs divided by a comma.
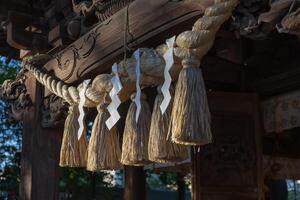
[(10, 178), (8, 70), (10, 137), (162, 180), (73, 178), (293, 190), (79, 178), (78, 183)]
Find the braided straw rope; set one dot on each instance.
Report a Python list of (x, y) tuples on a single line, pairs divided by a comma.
[(69, 93), (197, 42), (191, 47), (190, 44), (190, 118), (152, 65)]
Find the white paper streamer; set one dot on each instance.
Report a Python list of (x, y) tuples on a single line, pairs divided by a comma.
[(115, 100), (85, 83), (137, 98), (165, 89)]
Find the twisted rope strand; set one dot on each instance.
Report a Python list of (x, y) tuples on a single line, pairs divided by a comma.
[(198, 41), (193, 43), (69, 93)]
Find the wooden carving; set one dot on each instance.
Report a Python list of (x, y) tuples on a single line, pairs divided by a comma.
[(75, 53), (256, 19), (102, 9), (54, 112), (104, 44), (14, 91), (231, 167), (231, 157)]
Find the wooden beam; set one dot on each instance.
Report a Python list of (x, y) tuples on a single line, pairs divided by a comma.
[(19, 6), (19, 37), (219, 73), (285, 144), (273, 66), (281, 168), (277, 84), (97, 50)]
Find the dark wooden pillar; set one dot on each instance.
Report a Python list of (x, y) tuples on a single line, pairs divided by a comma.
[(181, 186), (230, 167), (29, 132), (40, 152), (195, 174), (135, 187)]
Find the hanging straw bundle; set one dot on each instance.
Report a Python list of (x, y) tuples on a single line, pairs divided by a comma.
[(160, 147), (190, 114), (190, 121), (136, 135), (73, 151), (104, 150)]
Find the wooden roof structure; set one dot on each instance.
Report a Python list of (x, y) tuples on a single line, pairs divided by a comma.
[(256, 51), (58, 23)]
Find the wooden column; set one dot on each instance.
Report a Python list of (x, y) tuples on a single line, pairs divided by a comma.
[(134, 183), (195, 174), (230, 167), (181, 186), (40, 152)]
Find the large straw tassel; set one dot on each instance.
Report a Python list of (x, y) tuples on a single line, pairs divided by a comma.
[(104, 151), (73, 152), (136, 135), (160, 147), (190, 120)]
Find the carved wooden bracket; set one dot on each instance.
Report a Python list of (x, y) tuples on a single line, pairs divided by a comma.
[(14, 91), (19, 37), (54, 108), (19, 106), (102, 9), (54, 112)]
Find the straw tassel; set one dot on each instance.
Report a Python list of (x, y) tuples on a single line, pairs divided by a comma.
[(190, 114), (73, 152), (190, 120), (160, 147), (136, 135), (104, 151)]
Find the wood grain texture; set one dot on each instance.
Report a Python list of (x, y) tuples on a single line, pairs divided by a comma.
[(135, 183), (40, 152), (27, 143), (196, 159), (98, 49), (231, 167)]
